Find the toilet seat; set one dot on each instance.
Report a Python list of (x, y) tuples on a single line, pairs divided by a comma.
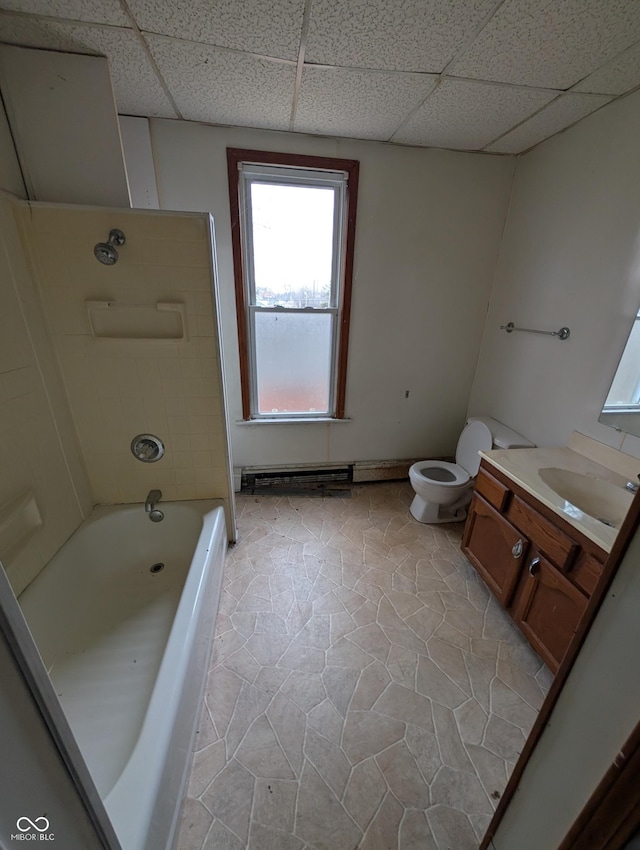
[(441, 472), (476, 437)]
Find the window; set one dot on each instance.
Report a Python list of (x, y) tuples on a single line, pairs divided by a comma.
[(293, 226), (624, 395)]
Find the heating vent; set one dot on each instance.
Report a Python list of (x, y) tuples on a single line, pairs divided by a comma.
[(305, 482)]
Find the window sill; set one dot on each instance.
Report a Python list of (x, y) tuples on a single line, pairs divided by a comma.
[(292, 421)]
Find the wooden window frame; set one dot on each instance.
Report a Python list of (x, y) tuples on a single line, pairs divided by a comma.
[(235, 156)]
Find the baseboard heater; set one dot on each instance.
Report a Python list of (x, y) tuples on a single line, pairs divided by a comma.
[(320, 478), (297, 481)]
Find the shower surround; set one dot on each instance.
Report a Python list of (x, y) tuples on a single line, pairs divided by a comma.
[(137, 377)]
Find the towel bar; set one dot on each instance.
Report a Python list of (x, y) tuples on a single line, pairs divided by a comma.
[(563, 333)]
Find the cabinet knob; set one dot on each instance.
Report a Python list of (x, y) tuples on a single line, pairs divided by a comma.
[(518, 549), (534, 566)]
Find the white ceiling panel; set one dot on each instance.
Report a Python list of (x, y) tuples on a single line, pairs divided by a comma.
[(368, 65), (466, 115), (358, 104), (555, 44), (268, 28), (136, 87), (96, 11), (619, 76), (562, 113), (406, 35), (225, 87)]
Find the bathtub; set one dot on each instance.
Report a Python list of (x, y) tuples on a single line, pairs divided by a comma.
[(123, 616)]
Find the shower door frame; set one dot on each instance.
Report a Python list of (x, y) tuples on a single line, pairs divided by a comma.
[(15, 630)]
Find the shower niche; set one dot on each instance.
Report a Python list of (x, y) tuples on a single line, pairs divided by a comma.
[(161, 321)]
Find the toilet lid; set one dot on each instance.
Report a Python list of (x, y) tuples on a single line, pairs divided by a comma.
[(475, 437)]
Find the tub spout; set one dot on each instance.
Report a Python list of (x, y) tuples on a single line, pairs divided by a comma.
[(150, 503)]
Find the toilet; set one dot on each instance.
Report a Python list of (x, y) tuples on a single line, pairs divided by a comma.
[(443, 490)]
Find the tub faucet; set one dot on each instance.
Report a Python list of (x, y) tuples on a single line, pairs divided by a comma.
[(155, 515)]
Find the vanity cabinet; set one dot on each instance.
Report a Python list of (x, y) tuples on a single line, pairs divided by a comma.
[(539, 567)]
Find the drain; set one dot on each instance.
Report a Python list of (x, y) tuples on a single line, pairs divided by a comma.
[(605, 522), (156, 568)]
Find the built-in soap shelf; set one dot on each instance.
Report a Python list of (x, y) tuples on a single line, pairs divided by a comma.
[(165, 320), (20, 518)]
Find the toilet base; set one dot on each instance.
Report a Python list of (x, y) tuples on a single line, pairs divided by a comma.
[(432, 512)]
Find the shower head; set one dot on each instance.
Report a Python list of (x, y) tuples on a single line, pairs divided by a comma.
[(105, 252)]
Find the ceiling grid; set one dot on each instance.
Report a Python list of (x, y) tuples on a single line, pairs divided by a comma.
[(478, 75)]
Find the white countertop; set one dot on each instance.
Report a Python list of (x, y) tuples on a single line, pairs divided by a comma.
[(522, 465)]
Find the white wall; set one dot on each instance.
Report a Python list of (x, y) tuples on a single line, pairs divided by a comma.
[(136, 146), (599, 705), (570, 256), (429, 225)]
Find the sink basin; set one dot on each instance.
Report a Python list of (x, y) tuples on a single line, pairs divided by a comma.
[(596, 497)]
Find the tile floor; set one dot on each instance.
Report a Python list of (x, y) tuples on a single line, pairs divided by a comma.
[(366, 691)]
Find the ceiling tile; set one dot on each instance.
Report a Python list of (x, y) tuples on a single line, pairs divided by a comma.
[(96, 11), (225, 87), (358, 104), (564, 111), (269, 28), (136, 87), (406, 35), (555, 44), (617, 77), (467, 116)]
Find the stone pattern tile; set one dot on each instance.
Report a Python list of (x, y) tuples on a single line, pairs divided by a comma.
[(366, 690)]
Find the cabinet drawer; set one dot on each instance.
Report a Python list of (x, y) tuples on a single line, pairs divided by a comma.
[(494, 491), (552, 542), (586, 572)]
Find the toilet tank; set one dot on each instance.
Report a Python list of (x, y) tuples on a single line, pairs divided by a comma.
[(503, 436)]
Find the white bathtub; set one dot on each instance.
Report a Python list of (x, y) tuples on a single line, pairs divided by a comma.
[(127, 650)]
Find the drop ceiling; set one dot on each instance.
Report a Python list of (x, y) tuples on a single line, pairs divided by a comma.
[(475, 75)]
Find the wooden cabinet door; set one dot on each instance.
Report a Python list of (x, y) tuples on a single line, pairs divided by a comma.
[(548, 609), (495, 548)]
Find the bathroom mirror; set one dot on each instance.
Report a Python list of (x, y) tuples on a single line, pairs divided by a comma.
[(622, 406)]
